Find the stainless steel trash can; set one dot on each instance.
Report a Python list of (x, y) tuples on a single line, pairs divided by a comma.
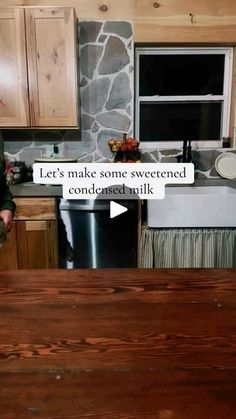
[(89, 238)]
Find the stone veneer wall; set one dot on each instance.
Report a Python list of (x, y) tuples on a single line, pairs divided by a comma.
[(106, 84), (106, 98), (203, 159)]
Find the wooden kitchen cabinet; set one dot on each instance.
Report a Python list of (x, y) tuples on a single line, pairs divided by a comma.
[(32, 242), (14, 104), (38, 67), (51, 52)]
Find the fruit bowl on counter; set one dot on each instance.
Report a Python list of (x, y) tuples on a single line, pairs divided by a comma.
[(125, 145), (127, 150)]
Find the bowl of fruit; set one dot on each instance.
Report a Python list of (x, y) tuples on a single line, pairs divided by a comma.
[(131, 144), (127, 144)]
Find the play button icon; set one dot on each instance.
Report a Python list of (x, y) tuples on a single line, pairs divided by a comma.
[(109, 204), (116, 209)]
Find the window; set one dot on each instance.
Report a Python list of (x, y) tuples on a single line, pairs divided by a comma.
[(182, 93)]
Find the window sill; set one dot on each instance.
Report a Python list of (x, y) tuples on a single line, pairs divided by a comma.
[(179, 144)]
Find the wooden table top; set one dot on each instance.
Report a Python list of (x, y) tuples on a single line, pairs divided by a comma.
[(118, 344)]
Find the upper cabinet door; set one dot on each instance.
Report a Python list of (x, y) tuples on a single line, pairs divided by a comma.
[(14, 107), (51, 54)]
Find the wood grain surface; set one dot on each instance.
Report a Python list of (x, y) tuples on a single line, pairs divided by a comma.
[(127, 343), (51, 55), (14, 105), (174, 21)]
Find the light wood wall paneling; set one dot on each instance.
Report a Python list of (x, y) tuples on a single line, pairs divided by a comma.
[(135, 8), (182, 7), (164, 20), (159, 21), (180, 21), (93, 9)]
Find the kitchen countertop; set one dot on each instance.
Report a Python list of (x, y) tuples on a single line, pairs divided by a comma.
[(113, 343), (32, 189), (28, 189)]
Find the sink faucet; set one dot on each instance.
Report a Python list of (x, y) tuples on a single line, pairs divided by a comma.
[(186, 156), (189, 152)]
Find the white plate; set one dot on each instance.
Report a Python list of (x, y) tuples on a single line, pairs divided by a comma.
[(225, 165), (51, 160)]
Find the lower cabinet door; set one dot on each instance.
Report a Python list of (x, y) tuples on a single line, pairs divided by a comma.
[(36, 244), (8, 252)]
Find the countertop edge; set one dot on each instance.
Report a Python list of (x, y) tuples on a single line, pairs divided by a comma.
[(21, 189)]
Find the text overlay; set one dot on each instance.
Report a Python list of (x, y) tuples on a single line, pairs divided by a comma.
[(111, 180)]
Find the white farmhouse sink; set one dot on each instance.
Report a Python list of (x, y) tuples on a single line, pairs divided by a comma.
[(194, 206)]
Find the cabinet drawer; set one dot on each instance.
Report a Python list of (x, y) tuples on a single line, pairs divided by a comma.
[(35, 209)]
